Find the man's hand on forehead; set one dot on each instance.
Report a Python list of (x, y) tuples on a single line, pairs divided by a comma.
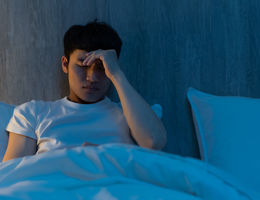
[(107, 57), (82, 59)]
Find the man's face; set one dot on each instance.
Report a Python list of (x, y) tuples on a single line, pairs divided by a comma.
[(88, 84)]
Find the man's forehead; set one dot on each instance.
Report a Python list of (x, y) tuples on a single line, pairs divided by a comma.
[(79, 54)]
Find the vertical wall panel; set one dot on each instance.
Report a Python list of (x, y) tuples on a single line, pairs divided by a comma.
[(168, 46)]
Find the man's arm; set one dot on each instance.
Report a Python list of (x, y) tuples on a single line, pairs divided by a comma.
[(146, 128), (19, 146)]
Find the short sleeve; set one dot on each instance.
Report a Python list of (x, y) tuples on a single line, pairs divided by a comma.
[(24, 120), (157, 108)]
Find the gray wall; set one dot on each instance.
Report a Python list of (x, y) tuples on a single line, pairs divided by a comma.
[(168, 45)]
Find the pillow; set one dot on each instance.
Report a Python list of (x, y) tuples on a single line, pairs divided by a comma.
[(228, 133), (157, 108), (6, 111)]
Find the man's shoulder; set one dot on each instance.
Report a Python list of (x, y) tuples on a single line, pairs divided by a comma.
[(35, 104)]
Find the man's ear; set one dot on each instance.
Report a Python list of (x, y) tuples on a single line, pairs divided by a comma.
[(65, 64)]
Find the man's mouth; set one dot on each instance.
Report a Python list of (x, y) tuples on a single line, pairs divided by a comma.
[(90, 89)]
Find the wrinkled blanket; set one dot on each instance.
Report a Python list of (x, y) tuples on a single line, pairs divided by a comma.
[(116, 171)]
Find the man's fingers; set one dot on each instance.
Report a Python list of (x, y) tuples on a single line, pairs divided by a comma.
[(89, 60), (86, 60)]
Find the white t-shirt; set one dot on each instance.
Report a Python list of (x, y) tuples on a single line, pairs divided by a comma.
[(63, 123)]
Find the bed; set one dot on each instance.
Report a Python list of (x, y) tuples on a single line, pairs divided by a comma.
[(116, 171), (123, 171)]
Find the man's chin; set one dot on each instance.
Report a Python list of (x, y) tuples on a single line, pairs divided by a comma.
[(90, 99)]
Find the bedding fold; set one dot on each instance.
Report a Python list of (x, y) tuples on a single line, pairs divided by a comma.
[(116, 171)]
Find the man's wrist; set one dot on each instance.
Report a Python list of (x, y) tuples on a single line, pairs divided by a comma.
[(117, 77)]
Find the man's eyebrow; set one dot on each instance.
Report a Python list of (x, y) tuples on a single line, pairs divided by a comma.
[(81, 59)]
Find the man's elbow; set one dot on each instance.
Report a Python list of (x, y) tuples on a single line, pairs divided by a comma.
[(160, 141), (159, 144), (156, 143)]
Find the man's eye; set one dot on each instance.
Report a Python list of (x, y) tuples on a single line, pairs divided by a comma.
[(82, 66)]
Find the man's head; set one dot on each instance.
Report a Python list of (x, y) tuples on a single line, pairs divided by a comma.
[(78, 41)]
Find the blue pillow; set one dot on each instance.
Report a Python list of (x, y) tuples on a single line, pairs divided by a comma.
[(228, 132), (6, 111)]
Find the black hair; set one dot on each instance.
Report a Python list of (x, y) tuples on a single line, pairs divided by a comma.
[(90, 37)]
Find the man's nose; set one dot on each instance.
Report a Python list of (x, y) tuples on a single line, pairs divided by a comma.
[(92, 75)]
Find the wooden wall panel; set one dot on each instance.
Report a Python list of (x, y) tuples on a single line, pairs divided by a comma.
[(168, 46)]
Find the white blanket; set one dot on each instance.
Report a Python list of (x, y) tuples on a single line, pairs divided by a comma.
[(116, 171)]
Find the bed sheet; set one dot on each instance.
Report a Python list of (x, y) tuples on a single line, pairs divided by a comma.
[(116, 171)]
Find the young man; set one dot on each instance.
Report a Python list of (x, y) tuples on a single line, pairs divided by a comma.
[(87, 116)]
